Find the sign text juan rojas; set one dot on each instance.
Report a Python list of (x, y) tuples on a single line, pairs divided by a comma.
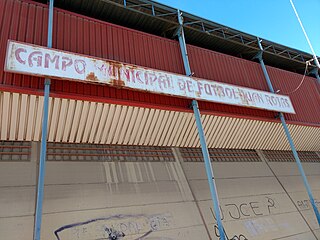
[(41, 61)]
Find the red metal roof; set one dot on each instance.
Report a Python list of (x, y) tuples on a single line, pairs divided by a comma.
[(216, 66), (26, 21)]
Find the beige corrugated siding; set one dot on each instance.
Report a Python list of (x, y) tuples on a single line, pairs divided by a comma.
[(90, 122)]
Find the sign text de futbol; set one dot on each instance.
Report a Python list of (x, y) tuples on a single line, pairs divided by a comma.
[(40, 61)]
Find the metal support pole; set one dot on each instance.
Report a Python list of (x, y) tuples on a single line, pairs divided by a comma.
[(153, 11), (209, 171), (183, 47), (42, 163), (287, 132), (318, 78), (205, 152), (315, 72)]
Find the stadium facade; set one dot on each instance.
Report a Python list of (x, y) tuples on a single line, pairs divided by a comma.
[(124, 160)]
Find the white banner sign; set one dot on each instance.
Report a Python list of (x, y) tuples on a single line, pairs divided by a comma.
[(40, 61)]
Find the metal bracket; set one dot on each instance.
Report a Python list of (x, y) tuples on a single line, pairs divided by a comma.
[(314, 72), (258, 56), (177, 32), (47, 81)]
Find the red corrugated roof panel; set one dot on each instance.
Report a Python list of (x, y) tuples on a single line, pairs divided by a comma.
[(220, 67)]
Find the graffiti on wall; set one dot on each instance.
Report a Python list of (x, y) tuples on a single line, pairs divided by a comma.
[(306, 204), (237, 211), (248, 209), (235, 237), (260, 226), (118, 227)]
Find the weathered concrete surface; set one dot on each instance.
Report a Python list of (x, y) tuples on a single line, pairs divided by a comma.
[(158, 200)]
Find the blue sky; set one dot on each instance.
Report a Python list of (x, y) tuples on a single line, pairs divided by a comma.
[(269, 19)]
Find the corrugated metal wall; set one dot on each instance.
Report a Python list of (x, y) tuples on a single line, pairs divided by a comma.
[(111, 123), (306, 100), (245, 73), (27, 22)]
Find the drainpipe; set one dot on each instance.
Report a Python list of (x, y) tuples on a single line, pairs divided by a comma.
[(287, 132), (42, 163), (205, 152)]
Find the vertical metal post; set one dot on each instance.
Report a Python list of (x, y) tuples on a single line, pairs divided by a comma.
[(318, 78), (315, 72), (205, 152), (209, 171), (42, 163), (153, 11), (287, 132), (183, 47)]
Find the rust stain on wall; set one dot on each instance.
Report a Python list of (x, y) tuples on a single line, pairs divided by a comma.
[(117, 83), (92, 77)]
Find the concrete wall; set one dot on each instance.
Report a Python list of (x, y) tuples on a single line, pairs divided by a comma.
[(288, 176), (158, 200), (259, 200)]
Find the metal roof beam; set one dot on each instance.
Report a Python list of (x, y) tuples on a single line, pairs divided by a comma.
[(139, 5), (234, 42), (145, 6), (283, 51), (296, 56), (250, 42), (165, 14), (214, 30), (206, 26), (191, 23)]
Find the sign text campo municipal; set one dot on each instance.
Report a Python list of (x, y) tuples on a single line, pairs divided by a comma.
[(41, 61)]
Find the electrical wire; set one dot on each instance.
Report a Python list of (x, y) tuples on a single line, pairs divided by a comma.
[(306, 35), (300, 84), (307, 62)]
